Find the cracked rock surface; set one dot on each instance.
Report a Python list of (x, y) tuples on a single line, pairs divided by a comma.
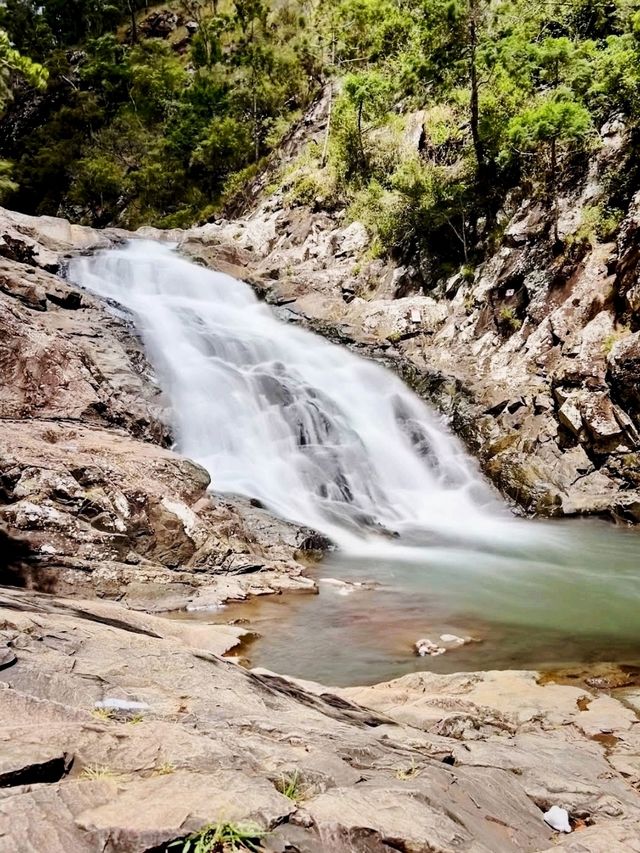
[(444, 763)]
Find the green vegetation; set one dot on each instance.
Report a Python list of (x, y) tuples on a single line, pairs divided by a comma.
[(508, 321), (103, 713), (292, 787), (220, 838), (13, 64), (443, 109)]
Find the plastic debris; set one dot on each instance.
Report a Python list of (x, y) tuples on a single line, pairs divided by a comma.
[(426, 647), (122, 705), (558, 818)]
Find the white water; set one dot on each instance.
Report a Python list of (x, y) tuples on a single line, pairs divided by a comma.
[(315, 433)]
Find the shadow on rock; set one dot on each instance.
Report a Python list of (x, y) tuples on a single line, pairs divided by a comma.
[(18, 565)]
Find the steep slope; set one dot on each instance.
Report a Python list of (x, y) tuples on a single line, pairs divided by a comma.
[(88, 483), (532, 358)]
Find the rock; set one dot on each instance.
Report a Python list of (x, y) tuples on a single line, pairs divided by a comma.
[(570, 416), (159, 24), (558, 819), (414, 132), (453, 639), (627, 267), (353, 239), (624, 370), (347, 587), (7, 657), (601, 423), (216, 740)]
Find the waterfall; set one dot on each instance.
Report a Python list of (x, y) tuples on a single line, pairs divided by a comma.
[(315, 433)]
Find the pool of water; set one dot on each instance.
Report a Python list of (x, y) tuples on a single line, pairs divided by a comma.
[(570, 596)]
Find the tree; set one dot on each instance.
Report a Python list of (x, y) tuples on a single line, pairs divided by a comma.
[(367, 93), (13, 63), (552, 125)]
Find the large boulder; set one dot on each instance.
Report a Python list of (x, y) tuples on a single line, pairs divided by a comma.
[(624, 373)]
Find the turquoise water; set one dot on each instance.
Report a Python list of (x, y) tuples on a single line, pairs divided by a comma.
[(572, 599)]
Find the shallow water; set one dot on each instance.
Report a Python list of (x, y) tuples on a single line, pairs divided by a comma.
[(328, 439), (577, 605)]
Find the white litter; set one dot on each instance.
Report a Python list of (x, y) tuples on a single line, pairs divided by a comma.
[(558, 819), (426, 647), (122, 705), (453, 638)]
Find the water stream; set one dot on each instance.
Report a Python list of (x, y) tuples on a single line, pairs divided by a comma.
[(323, 437)]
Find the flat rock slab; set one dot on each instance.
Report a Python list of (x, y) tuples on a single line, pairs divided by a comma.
[(214, 742)]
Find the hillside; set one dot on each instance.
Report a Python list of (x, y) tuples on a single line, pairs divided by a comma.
[(447, 188)]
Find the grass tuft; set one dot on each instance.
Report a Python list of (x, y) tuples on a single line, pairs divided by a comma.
[(103, 713), (292, 787), (220, 838), (94, 772), (410, 772)]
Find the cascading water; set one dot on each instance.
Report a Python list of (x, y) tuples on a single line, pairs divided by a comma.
[(336, 442), (317, 434)]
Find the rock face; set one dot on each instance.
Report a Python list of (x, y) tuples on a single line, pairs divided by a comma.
[(87, 482), (124, 731), (533, 357), (193, 739)]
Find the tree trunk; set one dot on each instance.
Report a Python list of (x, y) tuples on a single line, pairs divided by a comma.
[(478, 145), (134, 25), (553, 186)]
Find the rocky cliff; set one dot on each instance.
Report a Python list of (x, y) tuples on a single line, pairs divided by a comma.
[(532, 357), (124, 730), (89, 486)]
